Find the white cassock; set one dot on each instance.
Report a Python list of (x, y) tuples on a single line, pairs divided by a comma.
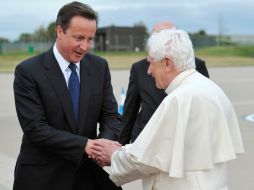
[(187, 142)]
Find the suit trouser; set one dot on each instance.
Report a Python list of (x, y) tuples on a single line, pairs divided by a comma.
[(93, 177)]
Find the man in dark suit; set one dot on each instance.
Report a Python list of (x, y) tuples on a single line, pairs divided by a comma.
[(142, 100), (60, 97)]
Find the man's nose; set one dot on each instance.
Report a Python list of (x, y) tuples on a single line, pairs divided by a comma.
[(149, 70), (84, 45), (148, 59)]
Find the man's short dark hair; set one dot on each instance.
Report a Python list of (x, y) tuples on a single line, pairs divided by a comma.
[(72, 9)]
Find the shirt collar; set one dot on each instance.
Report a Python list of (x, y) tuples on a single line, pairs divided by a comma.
[(63, 63), (178, 79)]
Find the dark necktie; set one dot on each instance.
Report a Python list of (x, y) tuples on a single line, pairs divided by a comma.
[(74, 87)]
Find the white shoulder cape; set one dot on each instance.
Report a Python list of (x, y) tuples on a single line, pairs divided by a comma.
[(194, 128)]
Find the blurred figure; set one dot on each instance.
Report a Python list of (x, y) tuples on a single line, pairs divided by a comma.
[(190, 138), (60, 97), (142, 100)]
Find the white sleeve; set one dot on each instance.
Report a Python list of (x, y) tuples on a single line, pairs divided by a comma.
[(125, 168)]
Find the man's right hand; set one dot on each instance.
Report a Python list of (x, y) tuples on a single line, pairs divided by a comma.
[(88, 148)]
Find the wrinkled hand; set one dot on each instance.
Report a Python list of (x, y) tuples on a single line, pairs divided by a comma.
[(102, 150), (88, 148)]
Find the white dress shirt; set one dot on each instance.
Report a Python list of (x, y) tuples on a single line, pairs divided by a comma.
[(64, 65)]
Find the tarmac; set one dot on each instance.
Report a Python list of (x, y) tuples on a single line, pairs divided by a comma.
[(237, 83)]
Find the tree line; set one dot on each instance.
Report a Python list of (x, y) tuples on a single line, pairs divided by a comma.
[(47, 34), (42, 34)]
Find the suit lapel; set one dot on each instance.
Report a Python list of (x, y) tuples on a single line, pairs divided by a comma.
[(85, 89), (57, 80)]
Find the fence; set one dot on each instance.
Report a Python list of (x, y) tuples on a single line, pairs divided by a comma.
[(24, 47), (128, 43)]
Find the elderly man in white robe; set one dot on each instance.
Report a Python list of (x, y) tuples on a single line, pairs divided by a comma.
[(191, 137)]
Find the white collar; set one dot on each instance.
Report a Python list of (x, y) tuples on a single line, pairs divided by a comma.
[(178, 79), (63, 63)]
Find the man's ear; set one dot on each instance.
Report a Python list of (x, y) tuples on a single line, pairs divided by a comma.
[(59, 32), (169, 64)]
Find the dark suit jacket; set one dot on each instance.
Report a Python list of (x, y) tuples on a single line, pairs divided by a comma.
[(142, 99), (52, 150)]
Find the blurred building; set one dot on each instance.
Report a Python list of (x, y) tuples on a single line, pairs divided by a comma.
[(116, 38)]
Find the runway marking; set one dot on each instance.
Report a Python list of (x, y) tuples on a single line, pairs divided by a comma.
[(7, 165), (250, 118)]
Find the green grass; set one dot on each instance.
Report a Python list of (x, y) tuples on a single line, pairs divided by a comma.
[(242, 51), (8, 62), (226, 61), (116, 60), (227, 55), (214, 56), (122, 60)]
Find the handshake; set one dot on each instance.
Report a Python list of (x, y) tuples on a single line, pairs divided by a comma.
[(101, 150)]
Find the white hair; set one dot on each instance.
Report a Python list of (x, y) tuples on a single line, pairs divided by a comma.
[(173, 44)]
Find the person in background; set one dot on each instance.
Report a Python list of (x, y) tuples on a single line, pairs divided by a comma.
[(142, 100), (60, 96), (190, 138)]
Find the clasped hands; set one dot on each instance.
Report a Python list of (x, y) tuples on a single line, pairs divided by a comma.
[(101, 150)]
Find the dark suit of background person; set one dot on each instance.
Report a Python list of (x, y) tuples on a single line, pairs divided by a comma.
[(52, 151), (142, 99)]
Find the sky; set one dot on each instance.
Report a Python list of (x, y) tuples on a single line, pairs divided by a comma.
[(236, 16)]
